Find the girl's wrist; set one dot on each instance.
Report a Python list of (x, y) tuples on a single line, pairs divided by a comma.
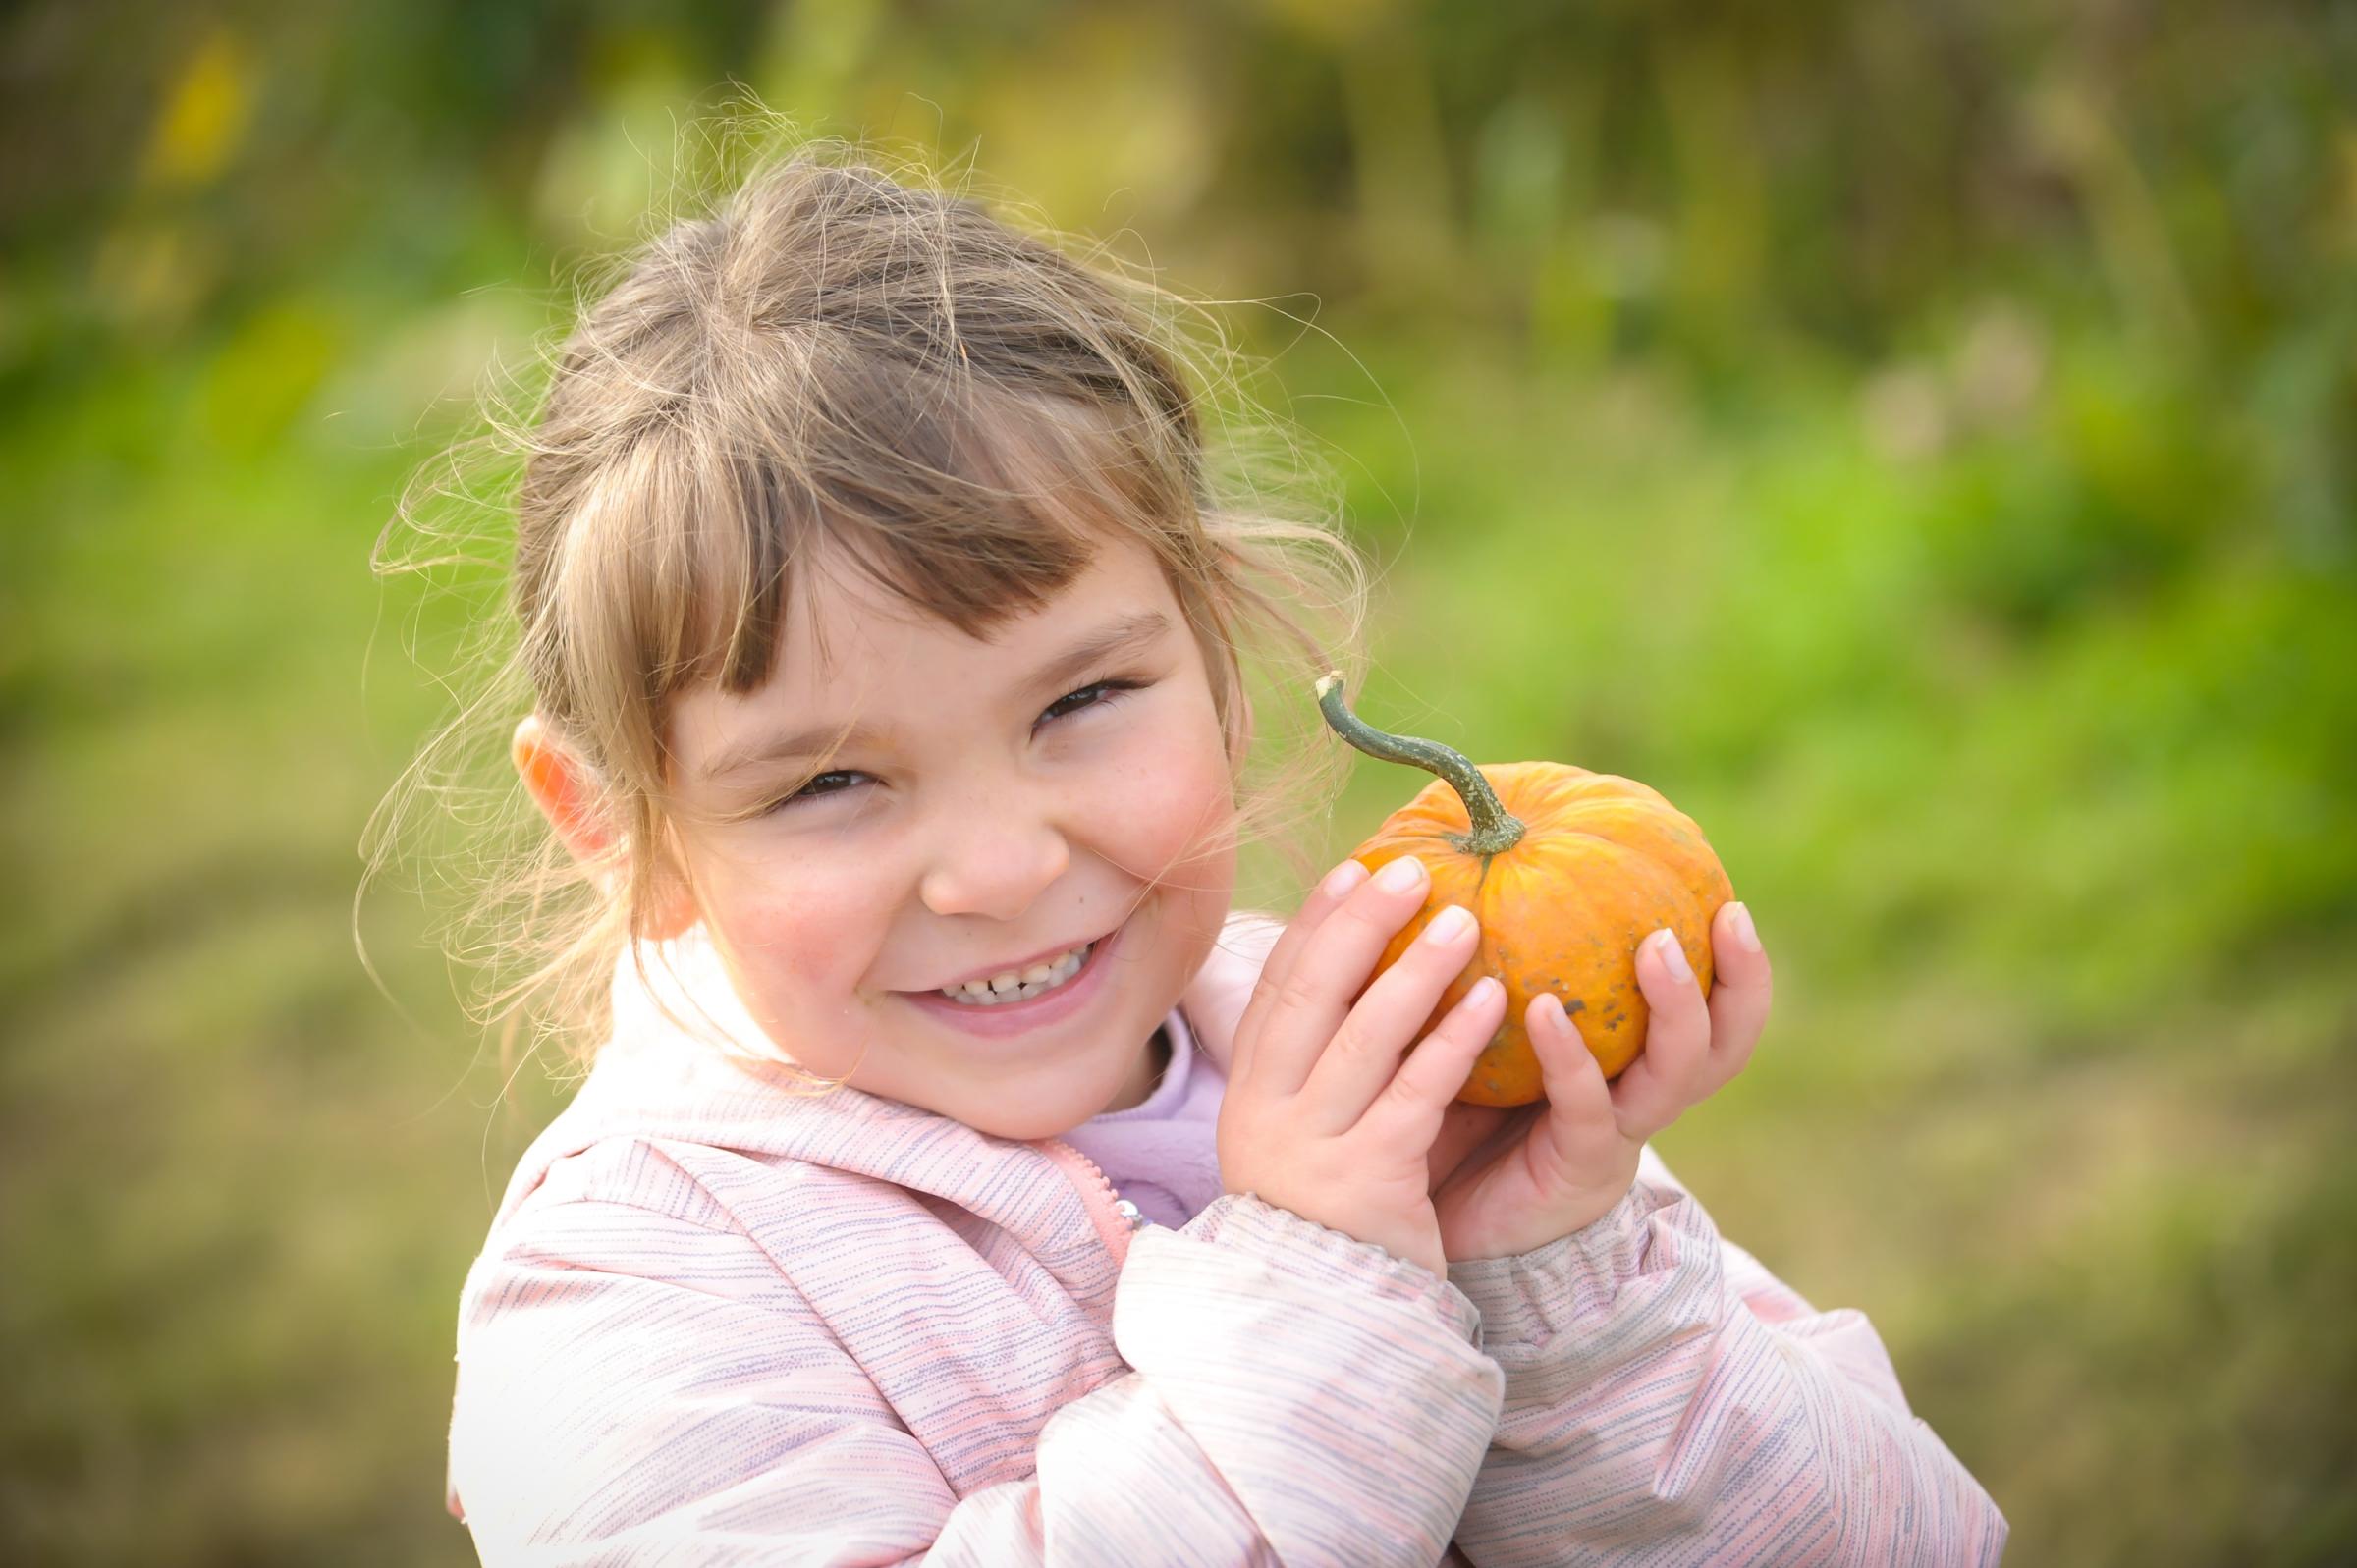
[(1534, 1300), (1579, 1201), (1566, 1224)]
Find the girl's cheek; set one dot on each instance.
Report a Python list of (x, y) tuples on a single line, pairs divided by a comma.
[(1175, 804), (808, 928), (800, 954)]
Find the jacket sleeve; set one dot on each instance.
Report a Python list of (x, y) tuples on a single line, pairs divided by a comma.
[(1669, 1402), (1295, 1396)]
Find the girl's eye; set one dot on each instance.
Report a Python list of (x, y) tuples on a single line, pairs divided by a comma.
[(843, 781), (1096, 694), (818, 789)]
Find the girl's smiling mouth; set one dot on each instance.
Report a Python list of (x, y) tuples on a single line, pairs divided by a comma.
[(1021, 984), (1045, 991)]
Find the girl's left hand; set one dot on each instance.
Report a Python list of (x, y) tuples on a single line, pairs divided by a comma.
[(1511, 1181)]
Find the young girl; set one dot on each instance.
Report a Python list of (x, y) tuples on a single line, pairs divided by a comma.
[(955, 1180)]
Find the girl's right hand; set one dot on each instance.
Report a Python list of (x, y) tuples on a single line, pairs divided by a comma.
[(1321, 1116)]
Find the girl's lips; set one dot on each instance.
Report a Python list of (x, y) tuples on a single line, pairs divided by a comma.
[(1001, 1018)]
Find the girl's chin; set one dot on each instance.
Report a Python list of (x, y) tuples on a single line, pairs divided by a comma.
[(1027, 1124), (1029, 1105)]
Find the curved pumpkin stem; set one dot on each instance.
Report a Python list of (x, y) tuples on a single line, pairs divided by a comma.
[(1494, 829)]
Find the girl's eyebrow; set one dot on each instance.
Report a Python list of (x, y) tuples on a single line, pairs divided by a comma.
[(1121, 635)]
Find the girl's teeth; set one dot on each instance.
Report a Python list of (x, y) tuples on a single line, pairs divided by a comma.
[(1001, 989)]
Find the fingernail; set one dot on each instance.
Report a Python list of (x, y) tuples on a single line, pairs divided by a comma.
[(1739, 923), (1484, 990), (1448, 925), (1674, 954), (1400, 875), (1342, 878)]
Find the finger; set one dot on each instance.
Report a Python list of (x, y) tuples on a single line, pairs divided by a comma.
[(1365, 1051), (1411, 1104), (1743, 986), (1333, 891), (1307, 1003), (1666, 1077), (1578, 1099)]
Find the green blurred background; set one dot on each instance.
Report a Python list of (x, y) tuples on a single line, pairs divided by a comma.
[(1921, 440)]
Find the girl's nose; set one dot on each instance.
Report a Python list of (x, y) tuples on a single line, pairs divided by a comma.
[(992, 863)]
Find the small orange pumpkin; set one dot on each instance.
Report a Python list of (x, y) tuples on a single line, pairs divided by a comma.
[(1568, 871)]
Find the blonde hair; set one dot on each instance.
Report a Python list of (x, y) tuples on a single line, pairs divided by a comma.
[(853, 355)]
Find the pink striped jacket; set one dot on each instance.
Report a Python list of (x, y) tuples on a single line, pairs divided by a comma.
[(718, 1321)]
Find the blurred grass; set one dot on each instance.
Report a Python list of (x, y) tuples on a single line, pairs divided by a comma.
[(1973, 561)]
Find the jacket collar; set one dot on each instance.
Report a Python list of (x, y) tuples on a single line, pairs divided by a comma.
[(688, 1062)]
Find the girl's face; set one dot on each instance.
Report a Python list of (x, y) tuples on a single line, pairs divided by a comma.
[(1059, 796)]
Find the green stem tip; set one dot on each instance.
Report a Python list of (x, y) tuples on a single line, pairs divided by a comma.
[(1494, 829)]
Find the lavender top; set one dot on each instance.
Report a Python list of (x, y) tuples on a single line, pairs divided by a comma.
[(1163, 1153)]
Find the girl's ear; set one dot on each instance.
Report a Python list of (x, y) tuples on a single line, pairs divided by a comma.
[(562, 785)]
